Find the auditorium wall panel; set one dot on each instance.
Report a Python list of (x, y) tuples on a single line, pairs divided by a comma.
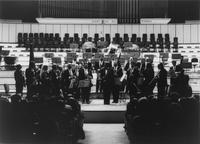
[(172, 31), (156, 30), (149, 31), (5, 33), (19, 28), (1, 31), (63, 30), (42, 28), (194, 34), (12, 33), (99, 30), (49, 28), (35, 28), (120, 30), (26, 28), (113, 30), (106, 29), (199, 33), (187, 33), (56, 29), (128, 30), (180, 33), (164, 29), (143, 30), (135, 29), (92, 30), (78, 29), (85, 29), (70, 30)]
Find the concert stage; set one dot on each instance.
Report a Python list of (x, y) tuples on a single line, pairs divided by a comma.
[(97, 112)]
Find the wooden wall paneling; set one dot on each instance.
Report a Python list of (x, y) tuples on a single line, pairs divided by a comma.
[(35, 28), (156, 30), (113, 30), (172, 31), (149, 31), (143, 30), (186, 34), (164, 29), (92, 30), (63, 30), (106, 29), (120, 29), (78, 29), (56, 29), (180, 33), (42, 28), (99, 30), (135, 30), (128, 30), (1, 31), (5, 32), (12, 33), (194, 33)]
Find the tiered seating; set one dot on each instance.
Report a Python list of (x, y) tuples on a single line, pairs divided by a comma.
[(168, 120), (49, 40)]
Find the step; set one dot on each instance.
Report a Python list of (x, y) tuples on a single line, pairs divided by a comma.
[(97, 112)]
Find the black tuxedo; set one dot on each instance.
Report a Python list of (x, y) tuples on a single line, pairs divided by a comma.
[(118, 72), (108, 82)]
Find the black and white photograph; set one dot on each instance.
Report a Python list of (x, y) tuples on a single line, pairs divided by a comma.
[(99, 71)]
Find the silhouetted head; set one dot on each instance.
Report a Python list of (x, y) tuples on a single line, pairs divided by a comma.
[(160, 66), (18, 67)]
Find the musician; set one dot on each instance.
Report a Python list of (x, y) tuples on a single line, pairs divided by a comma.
[(181, 83), (128, 64), (66, 77), (45, 82), (84, 90), (117, 83), (55, 81), (89, 65), (31, 81), (161, 80), (148, 76), (108, 82), (172, 73), (100, 76), (132, 78)]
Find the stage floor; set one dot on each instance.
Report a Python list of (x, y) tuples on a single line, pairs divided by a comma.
[(98, 105)]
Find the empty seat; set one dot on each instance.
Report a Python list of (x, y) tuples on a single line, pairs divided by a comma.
[(67, 35), (35, 35), (133, 38), (57, 35), (25, 35), (41, 35), (85, 35), (30, 35), (19, 34), (194, 60), (126, 38)]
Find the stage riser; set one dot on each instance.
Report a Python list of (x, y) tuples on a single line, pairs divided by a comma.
[(104, 116)]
